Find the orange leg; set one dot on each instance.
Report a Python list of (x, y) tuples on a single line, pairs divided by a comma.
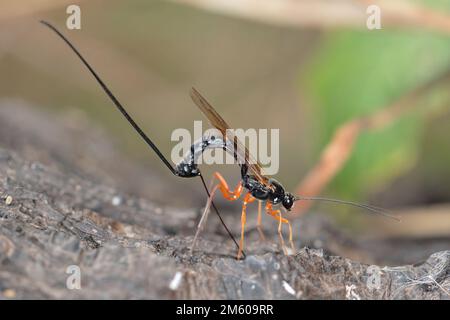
[(204, 217), (234, 195), (276, 214), (247, 199), (228, 194), (259, 222)]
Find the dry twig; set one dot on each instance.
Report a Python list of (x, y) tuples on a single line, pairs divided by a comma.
[(342, 144), (328, 13)]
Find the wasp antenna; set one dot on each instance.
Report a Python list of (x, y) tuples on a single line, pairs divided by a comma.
[(368, 207), (113, 98)]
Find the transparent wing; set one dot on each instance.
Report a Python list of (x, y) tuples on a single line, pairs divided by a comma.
[(241, 152)]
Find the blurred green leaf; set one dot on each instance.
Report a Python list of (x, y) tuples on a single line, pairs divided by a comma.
[(356, 73)]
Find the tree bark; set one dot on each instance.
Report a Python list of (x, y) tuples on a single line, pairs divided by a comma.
[(54, 215)]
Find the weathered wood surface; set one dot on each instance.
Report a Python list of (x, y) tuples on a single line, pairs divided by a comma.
[(56, 211)]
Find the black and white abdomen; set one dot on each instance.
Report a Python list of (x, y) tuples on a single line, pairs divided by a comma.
[(188, 166)]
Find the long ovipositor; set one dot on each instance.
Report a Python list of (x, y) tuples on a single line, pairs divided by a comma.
[(136, 127)]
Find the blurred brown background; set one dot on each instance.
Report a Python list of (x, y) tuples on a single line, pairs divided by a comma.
[(306, 74)]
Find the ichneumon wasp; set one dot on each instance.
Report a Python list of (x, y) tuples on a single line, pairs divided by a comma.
[(253, 184)]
